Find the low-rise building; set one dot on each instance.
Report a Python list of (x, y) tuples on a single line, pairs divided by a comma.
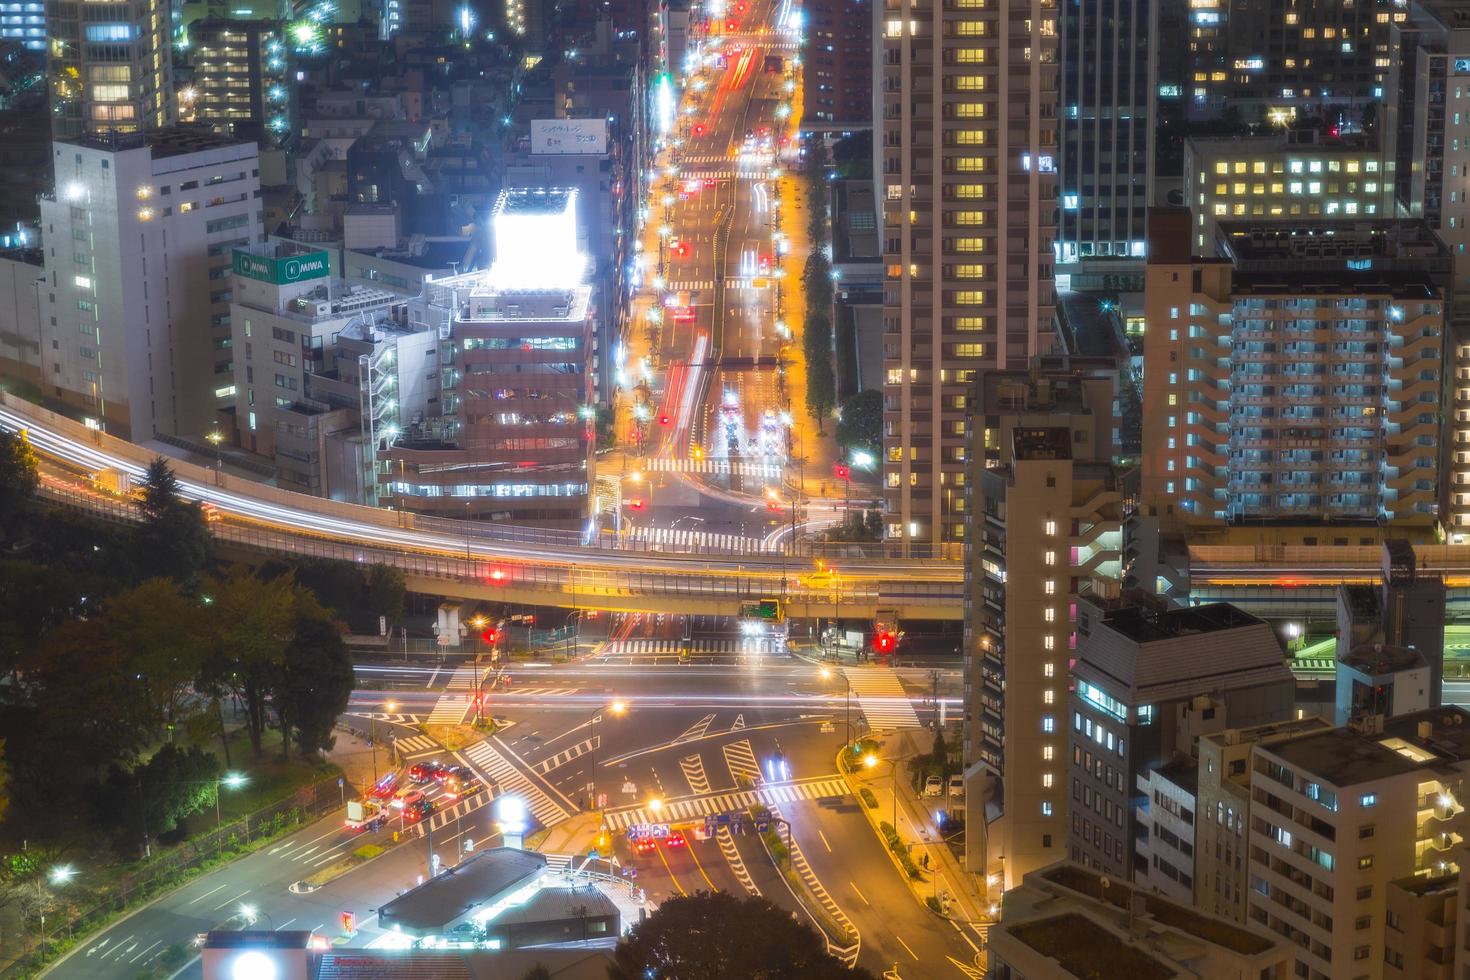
[(1066, 921)]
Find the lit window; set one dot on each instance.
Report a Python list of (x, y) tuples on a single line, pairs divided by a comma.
[(1051, 527), (1047, 753), (1048, 696), (1049, 642), (1048, 670), (1048, 724), (1046, 808), (1050, 586), (1050, 558), (1049, 614), (1046, 780)]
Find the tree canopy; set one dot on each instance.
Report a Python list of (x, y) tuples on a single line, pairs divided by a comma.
[(860, 425), (172, 541), (19, 478), (715, 934)]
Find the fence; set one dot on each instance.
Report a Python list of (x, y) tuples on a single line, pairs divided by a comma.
[(168, 870)]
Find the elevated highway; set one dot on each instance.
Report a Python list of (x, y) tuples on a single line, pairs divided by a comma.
[(482, 560)]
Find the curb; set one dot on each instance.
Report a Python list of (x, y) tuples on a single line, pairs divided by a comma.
[(873, 822)]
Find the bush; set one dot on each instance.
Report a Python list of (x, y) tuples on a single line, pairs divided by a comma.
[(934, 905), (776, 846), (900, 849), (869, 798)]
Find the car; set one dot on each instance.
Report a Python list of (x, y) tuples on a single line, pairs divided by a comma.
[(933, 786), (675, 839), (956, 787), (407, 797), (422, 772), (384, 788), (645, 845), (418, 810)]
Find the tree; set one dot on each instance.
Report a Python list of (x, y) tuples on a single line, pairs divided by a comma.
[(386, 591), (150, 800), (19, 479), (172, 541), (537, 972), (860, 425), (715, 934), (315, 683), (821, 385), (251, 624), (164, 633)]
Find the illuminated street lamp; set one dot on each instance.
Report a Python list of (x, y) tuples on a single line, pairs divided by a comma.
[(230, 780), (388, 706)]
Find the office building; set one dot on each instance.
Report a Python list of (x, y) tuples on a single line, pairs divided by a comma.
[(22, 274), (1281, 61), (24, 21), (240, 85), (1297, 378), (1298, 176), (1067, 921), (511, 436), (1147, 681), (965, 146), (111, 71), (1222, 811), (135, 312), (300, 341), (1338, 816), (1046, 510), (837, 71), (1106, 111)]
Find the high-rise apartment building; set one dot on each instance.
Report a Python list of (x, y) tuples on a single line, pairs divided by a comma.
[(837, 74), (135, 310), (24, 21), (111, 70), (240, 83), (1045, 508), (1147, 682), (966, 141), (1106, 108), (1336, 817), (1297, 378)]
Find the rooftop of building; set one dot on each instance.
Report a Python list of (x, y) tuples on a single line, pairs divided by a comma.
[(424, 253), (1360, 242), (1423, 885), (1348, 756), (578, 901), (1182, 773), (1143, 624), (578, 963), (447, 897), (1269, 731), (167, 142), (1090, 324), (1055, 384), (523, 200), (1285, 141), (1364, 601), (1086, 949), (1049, 442), (1375, 659), (489, 303)]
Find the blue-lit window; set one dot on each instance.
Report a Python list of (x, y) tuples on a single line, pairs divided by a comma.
[(1046, 808), (109, 32), (1100, 698), (1146, 712), (1048, 724), (1369, 799)]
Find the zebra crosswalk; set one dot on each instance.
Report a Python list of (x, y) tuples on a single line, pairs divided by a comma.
[(744, 646), (688, 286), (882, 698), (740, 758), (450, 709), (489, 758), (722, 174), (704, 158), (439, 818), (717, 467), (387, 718), (567, 755), (533, 692), (650, 538), (699, 807), (413, 746)]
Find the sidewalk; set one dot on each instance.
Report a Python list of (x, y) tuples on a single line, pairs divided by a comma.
[(915, 826)]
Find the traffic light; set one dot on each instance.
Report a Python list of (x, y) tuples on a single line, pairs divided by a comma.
[(842, 471), (349, 923), (884, 641), (491, 636), (663, 420)]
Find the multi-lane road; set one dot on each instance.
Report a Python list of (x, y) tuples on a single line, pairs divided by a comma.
[(693, 737)]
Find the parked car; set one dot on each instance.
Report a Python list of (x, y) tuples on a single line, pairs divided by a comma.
[(933, 786), (956, 787)]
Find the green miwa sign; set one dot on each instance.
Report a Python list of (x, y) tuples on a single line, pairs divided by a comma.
[(279, 272)]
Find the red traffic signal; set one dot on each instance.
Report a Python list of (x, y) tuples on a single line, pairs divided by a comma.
[(349, 923), (884, 641), (491, 637), (842, 471), (663, 420)]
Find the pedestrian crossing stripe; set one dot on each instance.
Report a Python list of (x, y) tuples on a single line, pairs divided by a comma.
[(490, 760), (705, 158), (450, 709), (567, 755), (717, 467), (440, 818), (528, 692), (696, 730), (699, 807), (710, 174), (463, 679), (882, 698), (656, 538), (746, 646), (416, 745), (388, 719), (685, 286), (745, 282)]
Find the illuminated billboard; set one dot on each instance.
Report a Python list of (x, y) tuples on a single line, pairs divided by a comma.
[(551, 136), (535, 236)]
